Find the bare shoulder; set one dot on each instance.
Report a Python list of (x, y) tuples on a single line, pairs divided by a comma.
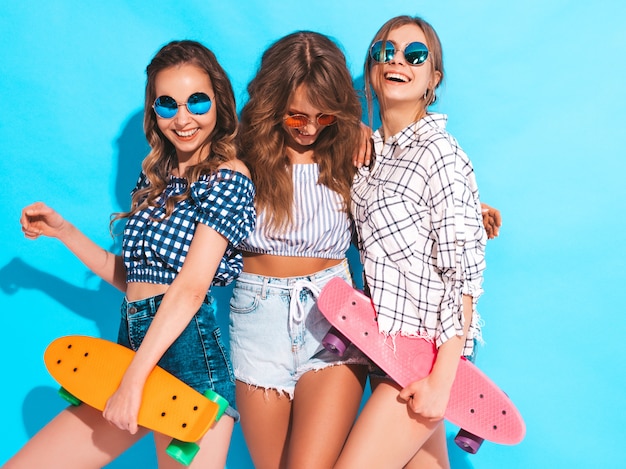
[(236, 165)]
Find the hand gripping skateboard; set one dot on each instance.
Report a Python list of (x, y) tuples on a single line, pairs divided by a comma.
[(90, 370), (476, 405)]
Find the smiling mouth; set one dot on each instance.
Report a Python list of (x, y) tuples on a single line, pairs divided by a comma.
[(396, 77), (304, 134), (186, 134)]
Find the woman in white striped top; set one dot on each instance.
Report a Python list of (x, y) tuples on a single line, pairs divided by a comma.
[(299, 131)]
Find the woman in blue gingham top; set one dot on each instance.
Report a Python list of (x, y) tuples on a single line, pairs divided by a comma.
[(192, 206), (155, 247), (422, 240)]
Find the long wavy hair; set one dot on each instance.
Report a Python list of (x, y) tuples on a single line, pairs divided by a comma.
[(315, 61), (435, 55), (221, 143)]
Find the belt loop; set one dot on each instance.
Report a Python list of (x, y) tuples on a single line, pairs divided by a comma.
[(266, 281)]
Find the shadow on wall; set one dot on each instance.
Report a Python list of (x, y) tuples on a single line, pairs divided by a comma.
[(132, 148), (100, 305)]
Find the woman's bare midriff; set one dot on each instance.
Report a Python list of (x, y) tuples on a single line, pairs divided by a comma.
[(285, 266), (139, 290)]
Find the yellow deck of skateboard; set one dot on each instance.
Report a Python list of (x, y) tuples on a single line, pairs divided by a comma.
[(91, 369)]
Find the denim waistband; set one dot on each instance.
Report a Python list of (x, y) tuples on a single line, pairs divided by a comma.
[(295, 285), (151, 303)]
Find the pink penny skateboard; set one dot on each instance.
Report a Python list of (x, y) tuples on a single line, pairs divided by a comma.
[(477, 405)]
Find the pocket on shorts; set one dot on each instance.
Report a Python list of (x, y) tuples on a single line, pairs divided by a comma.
[(243, 301)]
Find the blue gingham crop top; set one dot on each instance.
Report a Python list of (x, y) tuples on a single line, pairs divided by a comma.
[(321, 227), (154, 249)]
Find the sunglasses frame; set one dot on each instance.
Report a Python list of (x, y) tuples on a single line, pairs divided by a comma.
[(309, 121), (379, 44), (198, 94)]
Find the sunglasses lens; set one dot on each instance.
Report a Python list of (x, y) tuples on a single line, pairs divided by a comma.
[(199, 103), (416, 53), (296, 121), (166, 107), (326, 119), (381, 55)]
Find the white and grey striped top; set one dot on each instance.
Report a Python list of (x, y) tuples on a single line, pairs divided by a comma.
[(321, 227)]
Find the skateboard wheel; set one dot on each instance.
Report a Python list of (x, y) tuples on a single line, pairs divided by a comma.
[(65, 394), (468, 441), (222, 403), (335, 342), (182, 451)]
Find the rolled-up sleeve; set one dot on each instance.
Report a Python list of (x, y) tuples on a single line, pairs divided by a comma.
[(460, 238)]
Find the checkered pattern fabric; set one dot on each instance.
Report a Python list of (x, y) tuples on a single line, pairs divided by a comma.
[(420, 232), (154, 248)]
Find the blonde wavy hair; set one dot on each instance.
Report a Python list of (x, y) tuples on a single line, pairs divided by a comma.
[(221, 144), (435, 55), (315, 61)]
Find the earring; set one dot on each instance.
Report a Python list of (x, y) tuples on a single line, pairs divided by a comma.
[(426, 94)]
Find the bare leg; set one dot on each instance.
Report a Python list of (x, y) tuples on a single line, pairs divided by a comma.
[(213, 447), (79, 437), (325, 406), (434, 453), (387, 433), (265, 419)]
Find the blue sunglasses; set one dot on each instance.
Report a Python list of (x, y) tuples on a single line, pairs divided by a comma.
[(415, 53), (166, 107)]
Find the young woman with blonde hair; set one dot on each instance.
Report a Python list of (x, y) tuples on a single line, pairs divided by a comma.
[(422, 240)]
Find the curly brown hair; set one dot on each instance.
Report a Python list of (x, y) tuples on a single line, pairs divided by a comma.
[(158, 164), (315, 61)]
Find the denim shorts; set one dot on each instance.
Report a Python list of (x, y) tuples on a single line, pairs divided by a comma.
[(197, 357), (276, 329)]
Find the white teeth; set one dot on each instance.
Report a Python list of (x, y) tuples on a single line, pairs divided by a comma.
[(189, 133), (396, 77)]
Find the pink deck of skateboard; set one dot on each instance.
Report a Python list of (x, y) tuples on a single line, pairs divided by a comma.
[(476, 404)]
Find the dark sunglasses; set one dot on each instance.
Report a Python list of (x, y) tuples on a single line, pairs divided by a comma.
[(166, 107), (297, 121), (415, 53)]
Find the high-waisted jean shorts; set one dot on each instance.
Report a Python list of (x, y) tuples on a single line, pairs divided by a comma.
[(276, 329), (198, 357)]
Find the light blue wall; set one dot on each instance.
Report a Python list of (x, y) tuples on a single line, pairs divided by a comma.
[(535, 95)]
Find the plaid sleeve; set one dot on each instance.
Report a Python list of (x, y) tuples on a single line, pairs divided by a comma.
[(460, 236), (225, 202)]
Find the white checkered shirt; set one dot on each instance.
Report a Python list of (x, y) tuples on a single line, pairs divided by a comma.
[(421, 237)]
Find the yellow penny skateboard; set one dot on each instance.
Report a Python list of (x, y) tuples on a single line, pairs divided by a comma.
[(90, 370)]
